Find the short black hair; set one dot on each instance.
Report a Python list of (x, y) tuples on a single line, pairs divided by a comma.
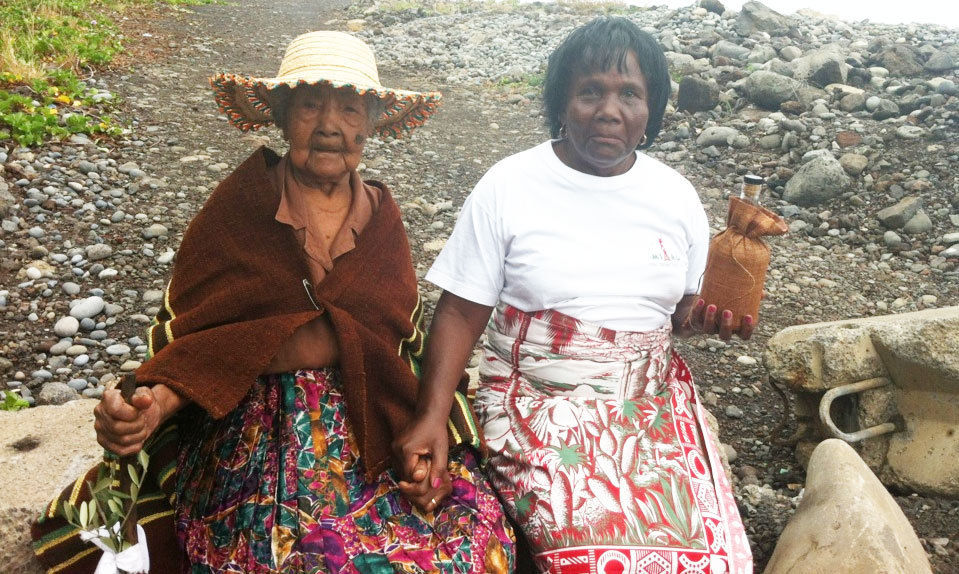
[(598, 45)]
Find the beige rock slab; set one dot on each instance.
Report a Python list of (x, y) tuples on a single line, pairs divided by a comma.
[(919, 352), (66, 447), (846, 523)]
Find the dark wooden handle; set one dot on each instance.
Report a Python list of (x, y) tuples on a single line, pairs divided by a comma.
[(128, 386)]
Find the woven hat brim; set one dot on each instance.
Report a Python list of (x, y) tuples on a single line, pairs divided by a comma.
[(243, 99)]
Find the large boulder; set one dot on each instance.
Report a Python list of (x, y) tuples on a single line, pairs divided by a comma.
[(846, 522), (697, 95), (769, 90), (822, 67), (900, 60), (42, 450), (896, 216), (818, 180), (757, 17)]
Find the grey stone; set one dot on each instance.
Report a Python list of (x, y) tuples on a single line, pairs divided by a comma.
[(769, 90), (118, 350), (892, 239), (816, 181), (77, 384), (716, 135), (940, 61), (66, 327), (790, 53), (152, 296), (154, 231), (56, 394), (697, 95), (822, 67), (729, 50), (908, 132), (60, 347), (734, 412), (756, 17), (900, 60), (84, 166), (919, 223), (852, 102), (98, 251), (88, 308), (896, 216), (70, 288), (853, 163), (884, 109)]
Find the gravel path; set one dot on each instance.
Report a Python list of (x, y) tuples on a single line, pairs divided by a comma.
[(89, 231)]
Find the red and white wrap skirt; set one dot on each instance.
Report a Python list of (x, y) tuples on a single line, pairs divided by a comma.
[(600, 450)]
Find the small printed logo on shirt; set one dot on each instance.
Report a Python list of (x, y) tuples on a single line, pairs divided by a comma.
[(660, 253)]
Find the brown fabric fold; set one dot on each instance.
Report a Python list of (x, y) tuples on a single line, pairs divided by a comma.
[(241, 287)]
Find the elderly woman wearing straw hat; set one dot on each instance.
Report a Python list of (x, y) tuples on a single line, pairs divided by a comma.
[(291, 334)]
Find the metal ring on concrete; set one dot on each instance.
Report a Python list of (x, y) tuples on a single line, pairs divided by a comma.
[(832, 394)]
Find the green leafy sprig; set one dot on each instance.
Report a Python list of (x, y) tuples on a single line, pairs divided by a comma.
[(109, 508)]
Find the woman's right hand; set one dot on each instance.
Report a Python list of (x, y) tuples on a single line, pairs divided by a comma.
[(122, 428), (420, 456)]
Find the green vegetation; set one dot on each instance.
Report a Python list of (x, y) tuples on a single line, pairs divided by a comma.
[(526, 83), (45, 46), (12, 402)]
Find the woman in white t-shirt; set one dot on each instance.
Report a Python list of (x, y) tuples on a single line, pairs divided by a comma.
[(580, 257)]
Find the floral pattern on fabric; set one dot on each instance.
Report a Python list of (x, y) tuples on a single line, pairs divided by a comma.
[(596, 443), (277, 486)]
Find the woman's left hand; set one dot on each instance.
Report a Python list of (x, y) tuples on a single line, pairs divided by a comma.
[(707, 319)]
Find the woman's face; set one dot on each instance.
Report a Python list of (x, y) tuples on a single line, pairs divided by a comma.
[(605, 118), (327, 131)]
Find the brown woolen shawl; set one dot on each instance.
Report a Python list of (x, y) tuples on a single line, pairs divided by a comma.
[(238, 293)]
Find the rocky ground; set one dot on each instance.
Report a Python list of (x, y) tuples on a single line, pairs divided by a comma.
[(854, 126)]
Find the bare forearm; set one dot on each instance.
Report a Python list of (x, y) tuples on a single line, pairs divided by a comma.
[(457, 324), (169, 401), (680, 318)]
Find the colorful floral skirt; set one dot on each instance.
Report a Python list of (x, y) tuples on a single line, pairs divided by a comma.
[(277, 486), (599, 448)]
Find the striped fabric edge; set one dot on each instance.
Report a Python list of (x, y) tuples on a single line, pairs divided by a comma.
[(461, 426), (160, 332)]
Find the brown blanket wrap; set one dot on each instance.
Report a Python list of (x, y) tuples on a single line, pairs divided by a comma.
[(238, 293)]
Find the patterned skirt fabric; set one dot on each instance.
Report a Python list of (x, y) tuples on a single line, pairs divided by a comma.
[(277, 486), (600, 450)]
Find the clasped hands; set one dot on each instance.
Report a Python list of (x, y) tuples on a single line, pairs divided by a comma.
[(420, 456)]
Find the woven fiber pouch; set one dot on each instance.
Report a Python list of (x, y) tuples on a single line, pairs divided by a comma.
[(738, 258)]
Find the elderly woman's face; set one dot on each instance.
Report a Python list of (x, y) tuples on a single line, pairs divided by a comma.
[(605, 118), (327, 130)]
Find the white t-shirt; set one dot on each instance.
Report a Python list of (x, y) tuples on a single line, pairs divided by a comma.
[(619, 251)]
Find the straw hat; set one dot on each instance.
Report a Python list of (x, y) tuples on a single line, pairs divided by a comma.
[(333, 58)]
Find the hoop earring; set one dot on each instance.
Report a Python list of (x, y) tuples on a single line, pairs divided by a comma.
[(563, 134), (642, 142)]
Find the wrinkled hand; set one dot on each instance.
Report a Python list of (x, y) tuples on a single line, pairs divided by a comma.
[(707, 319), (123, 428), (420, 458)]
